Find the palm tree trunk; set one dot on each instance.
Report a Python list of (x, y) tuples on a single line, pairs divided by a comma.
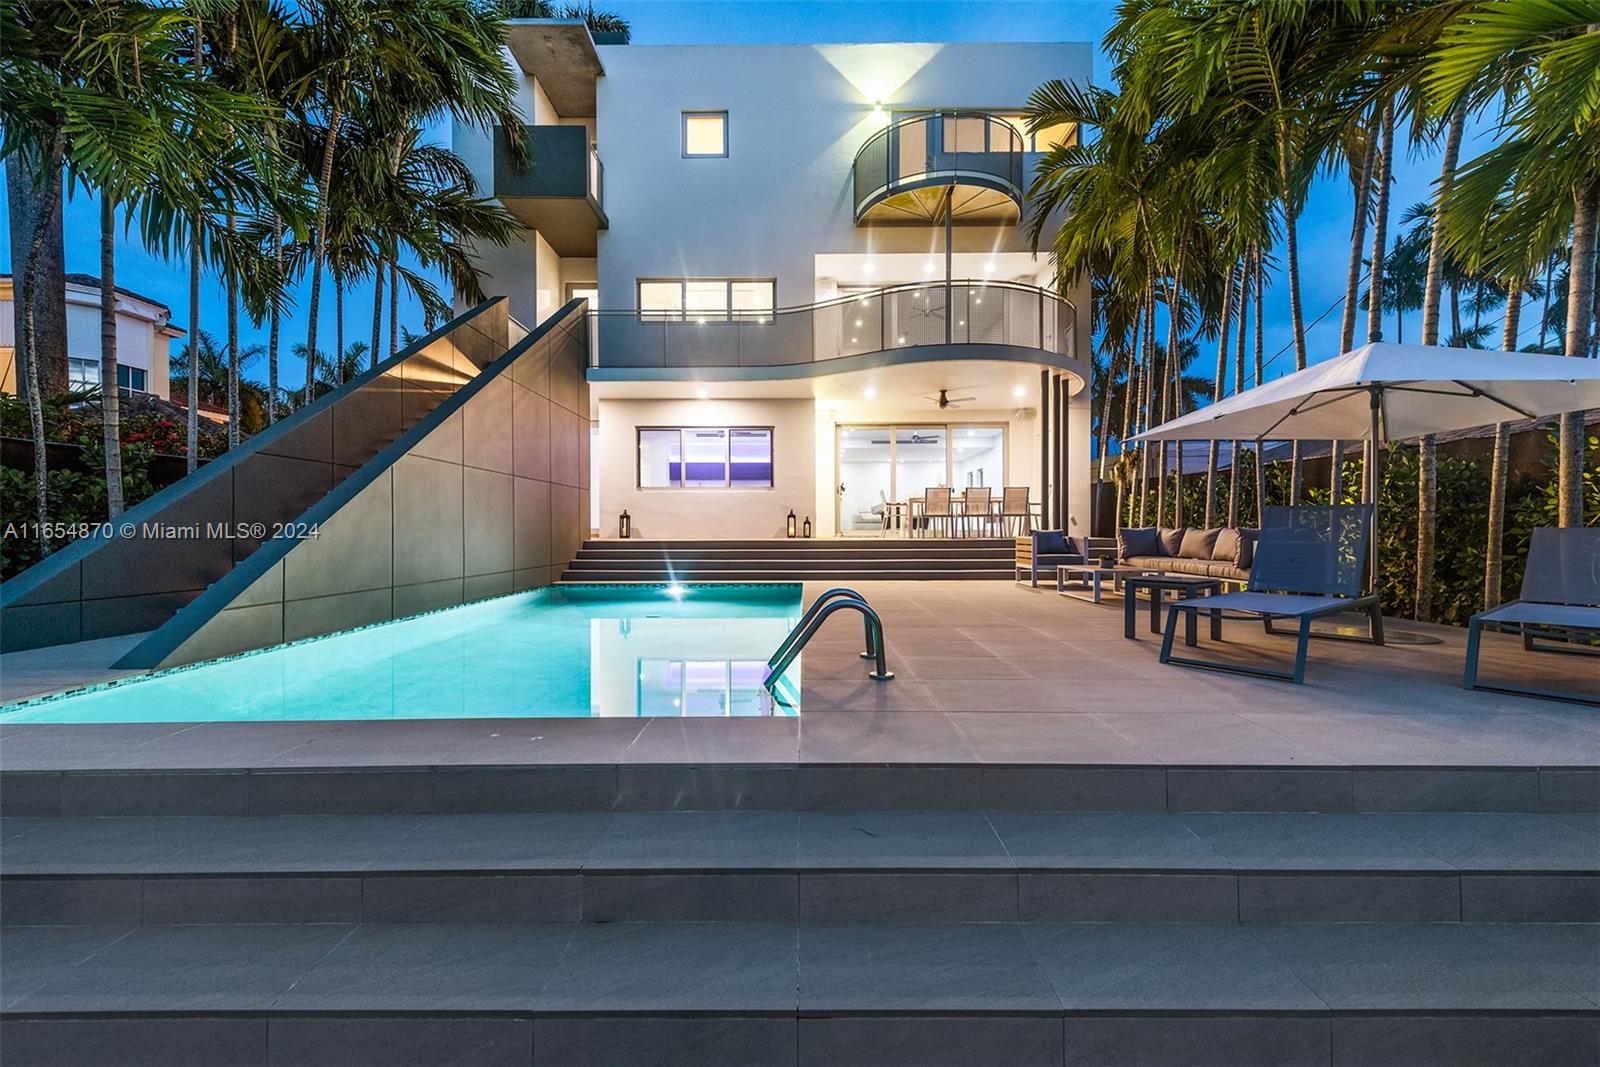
[(1335, 462), (394, 307), (1238, 387), (320, 255), (1380, 226), (1544, 313), (110, 396), (1455, 314), (377, 315), (30, 359), (233, 348), (1291, 241), (1427, 523), (1358, 231), (338, 330), (1447, 176), (1580, 293), (1494, 552), (193, 417), (274, 318), (1222, 376)]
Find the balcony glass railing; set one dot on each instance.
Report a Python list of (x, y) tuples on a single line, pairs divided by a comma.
[(940, 148), (962, 312)]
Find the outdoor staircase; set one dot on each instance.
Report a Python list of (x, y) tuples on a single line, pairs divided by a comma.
[(794, 560), (647, 914)]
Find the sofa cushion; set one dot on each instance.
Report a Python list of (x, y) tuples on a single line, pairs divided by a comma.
[(1147, 563), (1226, 548), (1171, 539), (1247, 547), (1138, 542), (1226, 571), (1051, 542), (1180, 565), (1199, 544)]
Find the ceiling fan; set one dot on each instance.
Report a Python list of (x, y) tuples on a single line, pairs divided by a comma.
[(944, 400)]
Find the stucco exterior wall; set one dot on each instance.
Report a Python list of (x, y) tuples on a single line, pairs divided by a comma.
[(796, 116), (708, 513)]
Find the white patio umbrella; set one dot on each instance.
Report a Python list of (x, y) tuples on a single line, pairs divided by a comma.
[(1384, 392)]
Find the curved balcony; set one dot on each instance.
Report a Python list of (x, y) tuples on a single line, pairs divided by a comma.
[(905, 171), (1014, 321)]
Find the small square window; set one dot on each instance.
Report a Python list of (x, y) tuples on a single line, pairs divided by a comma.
[(705, 133)]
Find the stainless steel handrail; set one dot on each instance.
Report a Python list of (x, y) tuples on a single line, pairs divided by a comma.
[(825, 605)]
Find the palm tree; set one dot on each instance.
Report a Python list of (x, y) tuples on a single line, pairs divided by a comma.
[(1405, 271), (1547, 163)]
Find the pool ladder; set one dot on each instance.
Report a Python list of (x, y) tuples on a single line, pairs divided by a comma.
[(836, 599)]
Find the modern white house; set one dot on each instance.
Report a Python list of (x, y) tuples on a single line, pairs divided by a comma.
[(144, 336), (808, 276)]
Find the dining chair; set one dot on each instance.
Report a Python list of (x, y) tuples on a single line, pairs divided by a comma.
[(978, 504), (1014, 508), (937, 508)]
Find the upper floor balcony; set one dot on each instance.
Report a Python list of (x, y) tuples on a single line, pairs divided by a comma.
[(911, 319), (971, 163), (561, 193)]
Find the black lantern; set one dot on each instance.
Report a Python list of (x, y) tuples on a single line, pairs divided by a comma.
[(792, 523), (624, 525), (807, 532)]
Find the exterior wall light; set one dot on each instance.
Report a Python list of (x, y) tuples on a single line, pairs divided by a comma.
[(791, 523), (624, 525), (877, 108)]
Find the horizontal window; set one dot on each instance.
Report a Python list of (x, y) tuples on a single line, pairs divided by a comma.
[(705, 457), (135, 378), (708, 299), (705, 133)]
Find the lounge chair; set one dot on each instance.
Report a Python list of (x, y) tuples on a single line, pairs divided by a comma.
[(1560, 591), (1045, 550), (1309, 562)]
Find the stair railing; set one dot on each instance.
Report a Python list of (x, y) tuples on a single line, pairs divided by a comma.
[(832, 600)]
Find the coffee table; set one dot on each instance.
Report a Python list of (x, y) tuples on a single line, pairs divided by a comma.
[(1185, 586), (1090, 576)]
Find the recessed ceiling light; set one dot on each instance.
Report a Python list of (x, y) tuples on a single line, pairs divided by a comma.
[(869, 392), (858, 322), (701, 393), (1019, 391)]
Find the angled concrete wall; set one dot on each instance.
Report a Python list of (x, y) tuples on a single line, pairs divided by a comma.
[(189, 535), (487, 494)]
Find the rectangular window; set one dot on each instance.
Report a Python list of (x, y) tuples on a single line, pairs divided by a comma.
[(705, 300), (133, 378), (1043, 140), (705, 457), (705, 133), (83, 373)]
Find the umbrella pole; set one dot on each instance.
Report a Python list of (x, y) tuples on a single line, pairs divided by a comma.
[(1371, 474)]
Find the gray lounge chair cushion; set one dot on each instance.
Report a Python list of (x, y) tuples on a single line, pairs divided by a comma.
[(1171, 539), (1138, 542), (1199, 544)]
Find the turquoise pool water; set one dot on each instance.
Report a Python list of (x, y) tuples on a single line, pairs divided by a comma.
[(575, 651)]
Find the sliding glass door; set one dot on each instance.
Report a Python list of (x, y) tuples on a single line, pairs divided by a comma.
[(879, 466)]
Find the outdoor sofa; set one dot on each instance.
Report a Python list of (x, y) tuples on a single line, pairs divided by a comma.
[(1223, 552)]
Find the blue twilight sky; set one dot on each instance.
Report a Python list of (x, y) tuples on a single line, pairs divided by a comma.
[(1324, 226)]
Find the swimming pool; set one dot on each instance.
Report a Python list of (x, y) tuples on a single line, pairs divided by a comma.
[(593, 650)]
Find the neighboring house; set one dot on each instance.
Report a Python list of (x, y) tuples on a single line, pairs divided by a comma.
[(144, 333), (794, 250)]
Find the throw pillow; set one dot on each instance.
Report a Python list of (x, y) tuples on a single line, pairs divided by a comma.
[(1138, 542), (1226, 549), (1050, 542), (1247, 547), (1199, 544), (1171, 540)]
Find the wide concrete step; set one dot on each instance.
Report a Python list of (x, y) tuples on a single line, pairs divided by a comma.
[(819, 866), (779, 992), (169, 774)]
